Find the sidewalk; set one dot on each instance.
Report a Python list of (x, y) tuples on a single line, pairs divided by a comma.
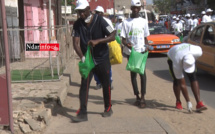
[(37, 107), (159, 117)]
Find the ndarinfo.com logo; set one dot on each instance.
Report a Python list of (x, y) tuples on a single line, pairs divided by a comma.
[(42, 47)]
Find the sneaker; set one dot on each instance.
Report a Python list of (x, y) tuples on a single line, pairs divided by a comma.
[(98, 86), (200, 107), (80, 118), (178, 105), (189, 107), (107, 113)]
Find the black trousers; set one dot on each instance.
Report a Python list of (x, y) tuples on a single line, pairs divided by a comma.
[(102, 71), (134, 82)]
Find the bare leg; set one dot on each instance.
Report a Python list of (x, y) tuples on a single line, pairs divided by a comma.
[(195, 89), (183, 88)]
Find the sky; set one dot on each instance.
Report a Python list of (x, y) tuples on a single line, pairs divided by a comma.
[(149, 1)]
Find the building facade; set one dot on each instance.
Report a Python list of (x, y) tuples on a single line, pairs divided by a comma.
[(11, 8), (108, 5), (188, 6), (36, 14)]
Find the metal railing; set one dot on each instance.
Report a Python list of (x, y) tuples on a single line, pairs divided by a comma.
[(36, 66)]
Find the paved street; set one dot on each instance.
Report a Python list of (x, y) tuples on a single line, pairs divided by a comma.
[(158, 65), (160, 116)]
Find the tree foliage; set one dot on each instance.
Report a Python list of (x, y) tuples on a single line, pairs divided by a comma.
[(164, 6)]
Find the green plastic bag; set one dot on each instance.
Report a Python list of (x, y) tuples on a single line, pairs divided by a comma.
[(181, 38), (86, 66), (118, 39), (137, 62)]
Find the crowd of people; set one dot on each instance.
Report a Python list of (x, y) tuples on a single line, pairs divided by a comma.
[(95, 30), (183, 24)]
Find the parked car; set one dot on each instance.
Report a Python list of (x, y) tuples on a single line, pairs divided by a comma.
[(204, 36), (161, 39)]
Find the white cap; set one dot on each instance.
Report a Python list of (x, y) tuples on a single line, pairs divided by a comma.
[(135, 3), (193, 15), (188, 15), (120, 17), (196, 51), (174, 17), (203, 12), (209, 10), (81, 4), (177, 18), (189, 63), (99, 9)]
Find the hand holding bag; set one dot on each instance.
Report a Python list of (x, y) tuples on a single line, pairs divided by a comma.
[(86, 66), (137, 62)]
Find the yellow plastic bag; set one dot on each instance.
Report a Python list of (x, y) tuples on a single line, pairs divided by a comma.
[(115, 53)]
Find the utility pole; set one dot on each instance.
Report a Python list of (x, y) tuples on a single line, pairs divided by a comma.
[(7, 64), (50, 30), (65, 12), (114, 8)]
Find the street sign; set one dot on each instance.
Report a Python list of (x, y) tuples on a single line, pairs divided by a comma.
[(68, 9)]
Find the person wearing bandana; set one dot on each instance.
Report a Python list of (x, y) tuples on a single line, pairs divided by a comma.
[(92, 29)]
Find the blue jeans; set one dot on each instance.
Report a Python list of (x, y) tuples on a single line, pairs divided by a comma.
[(97, 79)]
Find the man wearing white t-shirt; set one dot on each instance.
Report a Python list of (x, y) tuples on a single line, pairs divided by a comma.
[(118, 26), (178, 27), (173, 23), (134, 33), (194, 21), (188, 25), (100, 11), (181, 58), (207, 17)]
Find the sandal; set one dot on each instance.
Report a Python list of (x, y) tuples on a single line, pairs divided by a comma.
[(142, 104)]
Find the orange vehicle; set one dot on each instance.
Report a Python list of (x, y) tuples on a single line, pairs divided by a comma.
[(204, 36), (161, 39)]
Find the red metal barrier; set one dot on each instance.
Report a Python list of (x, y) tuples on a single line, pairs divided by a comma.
[(4, 109)]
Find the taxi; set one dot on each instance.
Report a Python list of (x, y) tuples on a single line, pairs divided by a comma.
[(204, 36), (161, 39)]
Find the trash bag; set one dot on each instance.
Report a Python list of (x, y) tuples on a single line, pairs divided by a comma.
[(115, 53), (181, 38), (137, 62), (86, 66), (118, 39)]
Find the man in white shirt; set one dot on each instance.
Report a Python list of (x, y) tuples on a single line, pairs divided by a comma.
[(118, 26), (161, 21), (134, 33), (188, 25), (100, 11), (173, 22), (202, 15), (207, 17), (181, 58), (194, 21), (178, 27)]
